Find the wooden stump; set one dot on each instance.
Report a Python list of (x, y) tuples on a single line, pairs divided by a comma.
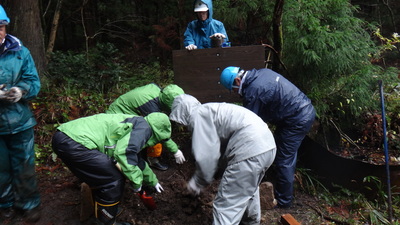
[(267, 197), (87, 204)]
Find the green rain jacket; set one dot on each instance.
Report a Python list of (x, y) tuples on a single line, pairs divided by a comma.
[(17, 69), (147, 99), (122, 137)]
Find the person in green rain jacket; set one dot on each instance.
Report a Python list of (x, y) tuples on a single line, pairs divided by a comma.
[(103, 150), (144, 100)]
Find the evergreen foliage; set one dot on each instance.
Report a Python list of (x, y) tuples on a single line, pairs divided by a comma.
[(100, 69), (328, 52), (324, 40), (247, 22)]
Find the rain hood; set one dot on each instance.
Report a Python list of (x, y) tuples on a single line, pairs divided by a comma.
[(182, 107)]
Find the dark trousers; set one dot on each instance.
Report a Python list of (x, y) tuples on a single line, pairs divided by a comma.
[(288, 139), (92, 167), (18, 183)]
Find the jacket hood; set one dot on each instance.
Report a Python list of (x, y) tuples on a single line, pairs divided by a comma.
[(210, 8), (161, 127), (168, 94), (11, 43), (182, 107)]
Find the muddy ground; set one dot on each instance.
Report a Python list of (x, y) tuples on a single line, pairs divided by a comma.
[(61, 200)]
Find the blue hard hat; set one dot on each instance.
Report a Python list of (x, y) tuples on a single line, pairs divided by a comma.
[(4, 20), (228, 75)]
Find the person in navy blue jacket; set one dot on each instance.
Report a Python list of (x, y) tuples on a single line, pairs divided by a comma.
[(199, 32), (279, 102)]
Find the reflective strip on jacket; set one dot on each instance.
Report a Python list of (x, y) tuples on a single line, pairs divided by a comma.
[(17, 69), (141, 101), (274, 98), (121, 137)]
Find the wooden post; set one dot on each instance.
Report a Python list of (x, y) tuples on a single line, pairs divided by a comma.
[(287, 219)]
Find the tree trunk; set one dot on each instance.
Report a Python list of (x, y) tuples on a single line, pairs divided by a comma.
[(277, 33), (53, 32), (26, 25)]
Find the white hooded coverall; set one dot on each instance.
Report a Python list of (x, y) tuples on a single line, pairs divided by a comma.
[(230, 135)]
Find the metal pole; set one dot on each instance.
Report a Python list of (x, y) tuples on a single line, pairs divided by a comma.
[(385, 146)]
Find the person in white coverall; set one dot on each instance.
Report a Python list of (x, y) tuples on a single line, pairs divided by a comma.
[(232, 138)]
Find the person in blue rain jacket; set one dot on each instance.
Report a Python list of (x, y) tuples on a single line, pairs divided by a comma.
[(199, 32), (19, 83)]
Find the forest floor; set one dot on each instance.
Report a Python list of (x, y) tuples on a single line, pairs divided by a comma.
[(61, 201)]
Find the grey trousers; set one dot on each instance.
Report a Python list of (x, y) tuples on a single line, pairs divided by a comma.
[(238, 197)]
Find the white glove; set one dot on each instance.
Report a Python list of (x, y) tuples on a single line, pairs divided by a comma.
[(3, 91), (191, 47), (193, 188), (217, 35), (14, 94), (179, 158), (159, 188)]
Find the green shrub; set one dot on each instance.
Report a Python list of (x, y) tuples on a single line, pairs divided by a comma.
[(328, 52), (100, 69)]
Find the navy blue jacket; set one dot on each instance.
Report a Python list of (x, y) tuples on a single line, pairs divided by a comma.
[(274, 98)]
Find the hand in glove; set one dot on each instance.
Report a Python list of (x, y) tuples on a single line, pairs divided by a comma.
[(150, 190), (3, 91), (217, 35), (191, 47), (159, 188), (179, 158), (193, 188), (14, 94), (137, 189)]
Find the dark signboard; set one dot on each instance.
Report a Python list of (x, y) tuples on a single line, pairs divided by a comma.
[(198, 71)]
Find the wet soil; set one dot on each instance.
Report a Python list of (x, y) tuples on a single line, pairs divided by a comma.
[(61, 201)]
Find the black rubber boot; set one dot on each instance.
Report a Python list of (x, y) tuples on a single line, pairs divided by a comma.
[(106, 214), (155, 163)]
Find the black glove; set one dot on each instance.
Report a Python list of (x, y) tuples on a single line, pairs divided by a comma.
[(148, 189)]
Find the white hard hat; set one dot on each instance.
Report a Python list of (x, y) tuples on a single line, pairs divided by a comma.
[(200, 7)]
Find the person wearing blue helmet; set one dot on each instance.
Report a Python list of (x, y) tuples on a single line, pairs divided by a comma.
[(19, 83), (279, 102), (199, 32)]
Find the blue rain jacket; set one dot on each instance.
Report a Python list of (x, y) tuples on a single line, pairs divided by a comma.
[(17, 69), (274, 98), (199, 32)]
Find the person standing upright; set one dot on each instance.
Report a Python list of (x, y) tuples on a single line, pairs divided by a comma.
[(19, 83), (199, 32)]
